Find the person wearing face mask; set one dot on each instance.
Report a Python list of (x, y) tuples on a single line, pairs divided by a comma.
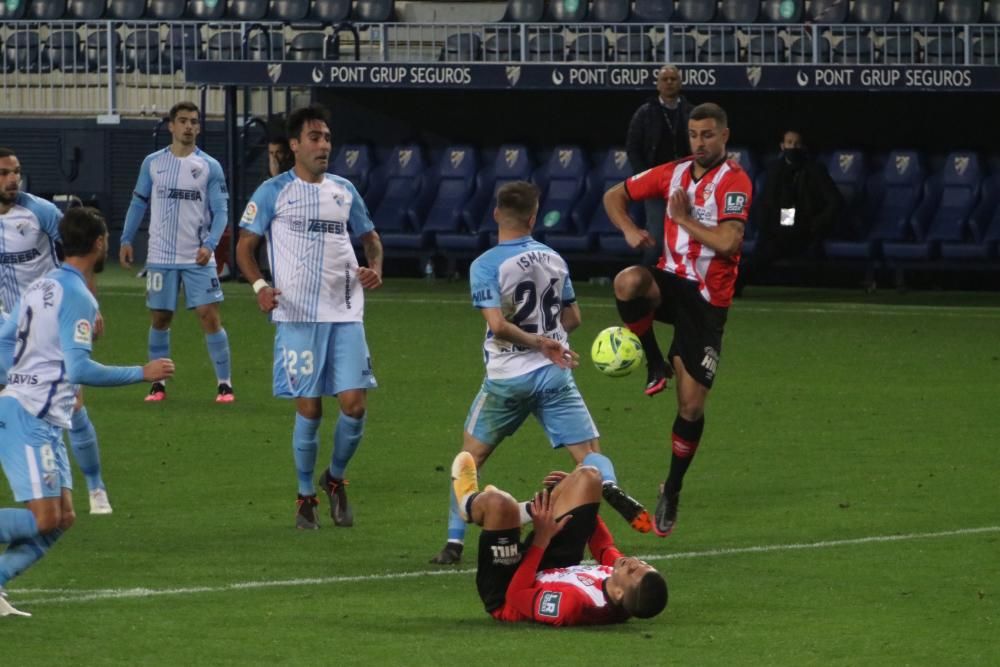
[(796, 208), (658, 133)]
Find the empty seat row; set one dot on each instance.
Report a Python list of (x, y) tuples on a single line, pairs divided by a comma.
[(321, 11)]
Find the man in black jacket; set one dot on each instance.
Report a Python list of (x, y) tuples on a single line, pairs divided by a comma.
[(658, 133), (798, 205)]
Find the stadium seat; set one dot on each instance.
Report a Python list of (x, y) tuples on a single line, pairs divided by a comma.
[(611, 170), (247, 10), (374, 11), (330, 11), (565, 11), (985, 51), (96, 48), (871, 11), (206, 10), (85, 10), (44, 10), (396, 216), (827, 11), (225, 45), (945, 50), (547, 47), (609, 11), (720, 48), (658, 11), (453, 185), (288, 11), (524, 11), (23, 50), (961, 11), (801, 50), (354, 162), (848, 172), (268, 45), (890, 201), (308, 46), (503, 46), (65, 51), (182, 43), (462, 47), (562, 180), (143, 53), (15, 9), (943, 215), (512, 163), (855, 50), (983, 227), (633, 48), (165, 10), (781, 11), (590, 47), (767, 47), (739, 11), (992, 13), (126, 10), (683, 49), (916, 11), (899, 48)]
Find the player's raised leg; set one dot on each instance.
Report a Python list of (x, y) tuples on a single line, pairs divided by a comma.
[(638, 297)]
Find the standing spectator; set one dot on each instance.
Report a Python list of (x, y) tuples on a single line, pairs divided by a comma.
[(658, 133)]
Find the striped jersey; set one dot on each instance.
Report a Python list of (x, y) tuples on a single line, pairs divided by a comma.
[(530, 283), (28, 234), (723, 193), (308, 228), (186, 195)]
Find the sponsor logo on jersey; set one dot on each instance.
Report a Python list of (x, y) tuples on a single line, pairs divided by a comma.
[(249, 214), (81, 332), (19, 257), (710, 362), (327, 226), (482, 295), (735, 202), (505, 554), (179, 193), (21, 378), (548, 605), (639, 175)]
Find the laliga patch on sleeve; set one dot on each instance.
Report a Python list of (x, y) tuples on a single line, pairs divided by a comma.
[(249, 214), (548, 605), (82, 332), (639, 175), (735, 202)]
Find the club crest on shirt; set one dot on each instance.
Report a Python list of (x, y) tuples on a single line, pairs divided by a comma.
[(735, 202), (82, 332), (195, 172), (548, 605), (709, 189)]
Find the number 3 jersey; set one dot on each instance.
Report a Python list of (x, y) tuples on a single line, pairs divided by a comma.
[(530, 283), (312, 259)]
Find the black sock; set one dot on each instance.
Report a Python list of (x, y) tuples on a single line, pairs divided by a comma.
[(637, 314), (684, 443)]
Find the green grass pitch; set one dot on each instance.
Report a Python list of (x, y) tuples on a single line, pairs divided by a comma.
[(836, 417)]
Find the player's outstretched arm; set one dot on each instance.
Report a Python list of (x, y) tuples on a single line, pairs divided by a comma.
[(81, 369)]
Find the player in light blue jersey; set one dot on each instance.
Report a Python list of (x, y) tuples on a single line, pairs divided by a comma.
[(185, 190), (317, 302), (524, 292), (29, 233), (54, 324)]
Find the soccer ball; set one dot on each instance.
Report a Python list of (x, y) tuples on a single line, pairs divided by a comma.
[(616, 351)]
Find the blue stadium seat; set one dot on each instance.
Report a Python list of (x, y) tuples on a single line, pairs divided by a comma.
[(890, 202), (739, 11), (524, 11), (943, 215), (945, 50), (308, 46), (612, 169), (453, 187), (827, 11), (330, 11), (354, 162), (182, 43), (983, 226), (562, 180), (899, 47), (871, 11), (396, 217), (23, 51), (65, 50), (661, 11), (916, 11), (720, 48), (801, 50), (512, 163), (44, 10), (766, 47), (462, 47), (288, 11), (848, 171), (14, 10), (206, 10), (96, 48), (86, 10), (225, 44), (565, 11), (268, 45), (683, 49), (609, 11), (590, 47), (503, 46), (985, 50), (992, 13), (547, 47), (166, 10), (634, 48), (855, 50), (374, 11), (143, 53), (247, 10), (126, 10), (961, 11), (781, 11)]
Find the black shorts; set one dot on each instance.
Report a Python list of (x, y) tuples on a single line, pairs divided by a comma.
[(698, 325), (500, 553)]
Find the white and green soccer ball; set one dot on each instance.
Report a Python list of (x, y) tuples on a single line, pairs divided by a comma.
[(616, 352)]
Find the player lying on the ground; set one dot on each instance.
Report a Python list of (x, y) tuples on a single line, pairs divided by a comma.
[(542, 579)]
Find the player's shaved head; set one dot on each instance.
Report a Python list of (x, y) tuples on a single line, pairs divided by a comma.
[(711, 111), (517, 202), (647, 598), (80, 228)]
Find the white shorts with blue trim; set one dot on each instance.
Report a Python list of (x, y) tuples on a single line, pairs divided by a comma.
[(313, 359), (550, 393), (32, 454), (201, 286)]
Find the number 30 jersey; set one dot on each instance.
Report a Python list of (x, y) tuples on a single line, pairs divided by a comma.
[(530, 283)]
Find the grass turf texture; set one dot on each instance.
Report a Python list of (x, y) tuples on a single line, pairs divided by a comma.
[(836, 415)]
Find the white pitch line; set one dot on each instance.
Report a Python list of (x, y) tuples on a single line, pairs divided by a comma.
[(71, 595)]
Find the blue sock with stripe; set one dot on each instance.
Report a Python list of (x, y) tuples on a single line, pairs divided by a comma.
[(23, 553), (83, 441), (159, 344), (602, 463), (456, 526), (16, 524), (346, 438), (218, 350), (305, 444)]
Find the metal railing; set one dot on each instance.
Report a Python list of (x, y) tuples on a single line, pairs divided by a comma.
[(136, 68)]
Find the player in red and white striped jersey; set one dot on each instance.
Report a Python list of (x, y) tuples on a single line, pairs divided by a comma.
[(708, 200), (542, 579)]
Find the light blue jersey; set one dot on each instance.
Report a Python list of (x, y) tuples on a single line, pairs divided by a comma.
[(530, 283), (52, 331), (312, 259), (189, 207), (28, 234)]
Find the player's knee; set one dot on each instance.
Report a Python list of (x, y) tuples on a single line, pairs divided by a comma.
[(210, 320), (499, 507), (161, 319), (354, 410), (691, 410), (630, 282), (67, 520), (48, 521)]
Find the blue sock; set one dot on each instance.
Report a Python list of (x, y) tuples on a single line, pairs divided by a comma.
[(218, 350), (346, 438), (304, 447), (83, 441), (456, 526), (159, 343), (23, 553), (602, 463), (16, 524)]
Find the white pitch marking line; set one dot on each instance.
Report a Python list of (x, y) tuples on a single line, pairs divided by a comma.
[(71, 595)]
